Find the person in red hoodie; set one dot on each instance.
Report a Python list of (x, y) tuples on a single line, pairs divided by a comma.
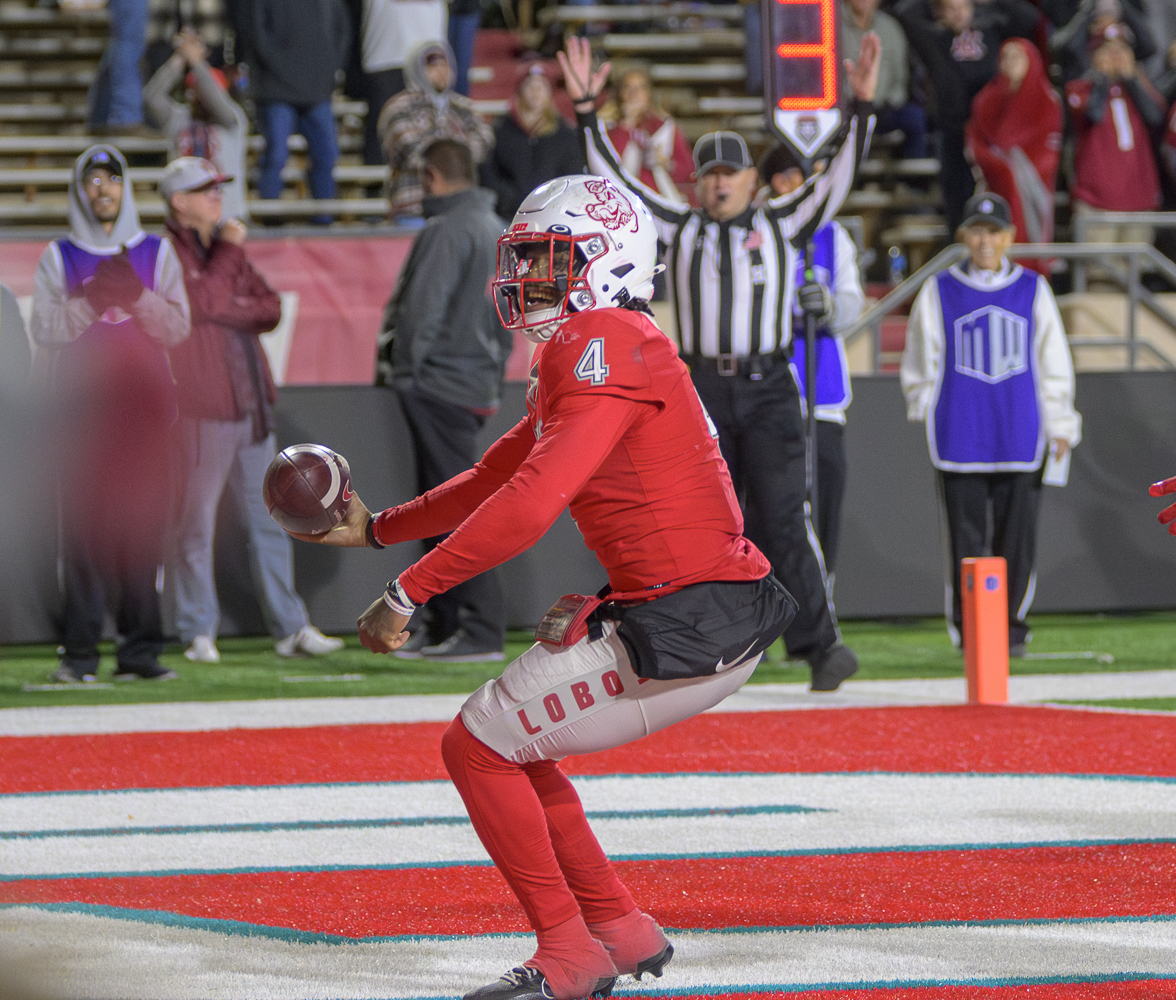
[(226, 394), (1015, 138), (1115, 111)]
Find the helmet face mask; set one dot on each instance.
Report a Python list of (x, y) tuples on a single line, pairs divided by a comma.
[(576, 243), (541, 276)]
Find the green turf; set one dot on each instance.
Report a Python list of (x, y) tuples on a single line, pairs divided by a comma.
[(888, 650), (1140, 704)]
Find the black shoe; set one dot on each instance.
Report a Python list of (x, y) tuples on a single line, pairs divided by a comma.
[(72, 673), (459, 649), (1017, 649), (524, 981), (656, 964), (411, 650), (144, 672), (831, 666)]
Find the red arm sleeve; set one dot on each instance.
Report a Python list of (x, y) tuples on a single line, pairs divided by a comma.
[(574, 443), (444, 507)]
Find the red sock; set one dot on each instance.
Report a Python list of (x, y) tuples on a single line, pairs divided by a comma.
[(590, 875), (511, 823), (630, 940)]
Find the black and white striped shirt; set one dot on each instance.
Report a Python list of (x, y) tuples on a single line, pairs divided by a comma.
[(732, 282)]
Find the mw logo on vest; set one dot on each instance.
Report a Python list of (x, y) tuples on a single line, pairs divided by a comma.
[(991, 345)]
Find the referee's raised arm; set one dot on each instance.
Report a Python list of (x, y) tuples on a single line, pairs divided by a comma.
[(583, 86), (803, 211)]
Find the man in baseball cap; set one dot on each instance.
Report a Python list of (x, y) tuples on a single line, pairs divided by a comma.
[(226, 394), (725, 175), (190, 173)]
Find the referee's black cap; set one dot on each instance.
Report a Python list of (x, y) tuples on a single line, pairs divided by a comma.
[(987, 207), (721, 149)]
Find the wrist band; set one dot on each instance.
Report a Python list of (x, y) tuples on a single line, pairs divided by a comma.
[(398, 600), (370, 531)]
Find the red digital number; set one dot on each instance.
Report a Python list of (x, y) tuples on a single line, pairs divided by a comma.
[(824, 94)]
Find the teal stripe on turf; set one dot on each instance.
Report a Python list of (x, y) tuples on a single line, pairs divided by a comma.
[(331, 824)]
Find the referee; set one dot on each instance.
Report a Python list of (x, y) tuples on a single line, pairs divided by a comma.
[(731, 269)]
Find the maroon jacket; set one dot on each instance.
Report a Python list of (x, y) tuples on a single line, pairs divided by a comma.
[(221, 371)]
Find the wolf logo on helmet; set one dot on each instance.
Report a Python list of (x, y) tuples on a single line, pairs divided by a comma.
[(612, 210), (576, 243)]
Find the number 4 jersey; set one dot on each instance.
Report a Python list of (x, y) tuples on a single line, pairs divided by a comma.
[(988, 367), (615, 432)]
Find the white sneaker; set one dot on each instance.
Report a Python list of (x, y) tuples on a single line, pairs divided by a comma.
[(202, 650), (308, 640)]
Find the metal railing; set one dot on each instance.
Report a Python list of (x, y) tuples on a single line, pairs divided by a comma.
[(1083, 219), (1121, 261)]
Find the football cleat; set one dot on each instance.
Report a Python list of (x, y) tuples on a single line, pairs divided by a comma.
[(526, 981), (656, 964)]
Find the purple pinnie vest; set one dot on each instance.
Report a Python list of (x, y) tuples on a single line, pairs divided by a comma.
[(985, 417), (833, 389)]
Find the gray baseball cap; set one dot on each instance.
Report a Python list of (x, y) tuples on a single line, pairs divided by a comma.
[(189, 173), (721, 149)]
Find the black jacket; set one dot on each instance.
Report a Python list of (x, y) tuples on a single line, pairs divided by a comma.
[(519, 163), (441, 334), (295, 48)]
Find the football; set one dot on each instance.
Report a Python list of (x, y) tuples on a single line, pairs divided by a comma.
[(307, 488)]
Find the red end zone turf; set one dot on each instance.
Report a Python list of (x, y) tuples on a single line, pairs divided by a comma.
[(895, 887), (987, 739)]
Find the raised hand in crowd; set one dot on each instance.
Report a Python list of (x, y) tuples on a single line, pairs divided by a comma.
[(190, 47), (863, 74)]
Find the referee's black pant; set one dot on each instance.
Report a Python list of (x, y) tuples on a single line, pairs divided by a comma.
[(762, 438), (831, 476), (1013, 498)]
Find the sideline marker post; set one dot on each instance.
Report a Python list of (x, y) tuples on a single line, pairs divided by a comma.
[(985, 600)]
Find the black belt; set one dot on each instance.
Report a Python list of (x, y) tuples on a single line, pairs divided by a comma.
[(752, 366)]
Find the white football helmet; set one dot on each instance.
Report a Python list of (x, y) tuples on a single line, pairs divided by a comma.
[(576, 243)]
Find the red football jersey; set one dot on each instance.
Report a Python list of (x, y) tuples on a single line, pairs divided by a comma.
[(616, 432)]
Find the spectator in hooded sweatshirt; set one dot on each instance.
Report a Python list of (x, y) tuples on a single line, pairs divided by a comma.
[(108, 302), (295, 49), (1068, 45), (532, 144), (1115, 111), (208, 123), (1015, 138), (430, 109)]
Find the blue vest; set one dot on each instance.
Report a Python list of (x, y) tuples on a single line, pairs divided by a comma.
[(985, 416), (833, 389)]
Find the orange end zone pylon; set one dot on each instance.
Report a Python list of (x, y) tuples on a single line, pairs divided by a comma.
[(985, 599)]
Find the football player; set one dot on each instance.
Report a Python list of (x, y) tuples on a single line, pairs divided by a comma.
[(616, 432)]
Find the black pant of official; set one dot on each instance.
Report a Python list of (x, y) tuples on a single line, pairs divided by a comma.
[(444, 444), (831, 475), (101, 568), (1013, 498), (762, 438)]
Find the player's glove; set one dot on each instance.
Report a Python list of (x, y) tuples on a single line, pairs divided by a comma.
[(1168, 514), (119, 277), (816, 301)]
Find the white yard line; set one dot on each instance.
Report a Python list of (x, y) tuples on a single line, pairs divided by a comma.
[(687, 815), (278, 713)]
